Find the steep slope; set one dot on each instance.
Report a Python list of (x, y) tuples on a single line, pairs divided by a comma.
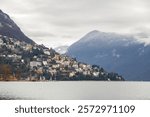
[(22, 61), (122, 54), (10, 29)]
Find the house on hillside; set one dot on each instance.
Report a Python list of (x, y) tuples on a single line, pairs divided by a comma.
[(45, 63), (96, 74), (17, 43), (35, 64), (1, 41), (47, 51), (28, 47)]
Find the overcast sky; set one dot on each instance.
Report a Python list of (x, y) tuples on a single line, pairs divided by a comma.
[(62, 22)]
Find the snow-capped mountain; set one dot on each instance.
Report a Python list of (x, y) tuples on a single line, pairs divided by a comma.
[(61, 49), (10, 29), (123, 54)]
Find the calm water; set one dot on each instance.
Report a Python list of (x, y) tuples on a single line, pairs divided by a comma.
[(86, 90)]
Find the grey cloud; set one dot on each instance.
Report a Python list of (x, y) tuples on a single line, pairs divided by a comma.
[(143, 35), (66, 36), (42, 34), (57, 18), (142, 32)]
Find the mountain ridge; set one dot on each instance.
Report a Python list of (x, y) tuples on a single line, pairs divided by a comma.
[(9, 28), (123, 54)]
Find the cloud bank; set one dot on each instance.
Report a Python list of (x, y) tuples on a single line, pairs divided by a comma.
[(62, 22)]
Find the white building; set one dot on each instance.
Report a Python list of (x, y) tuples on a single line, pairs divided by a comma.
[(14, 56), (96, 74), (85, 73), (17, 43), (71, 74), (75, 66), (1, 41), (10, 46), (35, 64), (66, 63), (45, 63), (47, 52), (28, 47), (56, 66)]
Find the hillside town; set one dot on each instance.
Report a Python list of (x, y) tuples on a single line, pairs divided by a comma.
[(21, 61)]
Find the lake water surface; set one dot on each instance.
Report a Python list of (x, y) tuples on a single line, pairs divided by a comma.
[(76, 90)]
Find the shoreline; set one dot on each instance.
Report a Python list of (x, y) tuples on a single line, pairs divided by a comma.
[(74, 81)]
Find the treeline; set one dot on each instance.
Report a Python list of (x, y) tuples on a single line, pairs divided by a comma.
[(6, 73)]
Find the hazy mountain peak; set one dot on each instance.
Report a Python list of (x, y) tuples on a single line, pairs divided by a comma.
[(94, 32), (114, 52), (98, 38)]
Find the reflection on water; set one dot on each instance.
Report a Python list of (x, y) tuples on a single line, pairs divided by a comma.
[(86, 90)]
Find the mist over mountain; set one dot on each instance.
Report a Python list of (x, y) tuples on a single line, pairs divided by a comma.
[(9, 28), (123, 54), (61, 49)]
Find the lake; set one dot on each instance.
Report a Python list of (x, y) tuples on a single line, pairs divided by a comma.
[(75, 90)]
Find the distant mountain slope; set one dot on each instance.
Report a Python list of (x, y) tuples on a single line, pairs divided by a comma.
[(10, 29), (122, 54)]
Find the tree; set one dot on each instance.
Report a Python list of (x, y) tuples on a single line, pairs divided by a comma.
[(6, 71)]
